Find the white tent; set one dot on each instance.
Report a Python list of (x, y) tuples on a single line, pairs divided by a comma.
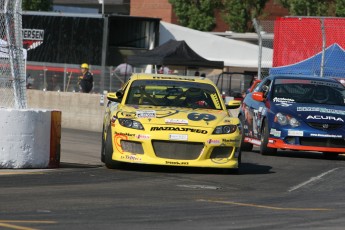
[(213, 47)]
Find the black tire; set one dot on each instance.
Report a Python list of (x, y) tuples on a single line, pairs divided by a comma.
[(264, 150), (245, 146), (108, 151), (330, 155), (102, 146)]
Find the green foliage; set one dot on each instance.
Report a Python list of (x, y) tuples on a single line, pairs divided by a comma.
[(196, 14), (37, 5), (340, 8), (240, 13), (309, 7)]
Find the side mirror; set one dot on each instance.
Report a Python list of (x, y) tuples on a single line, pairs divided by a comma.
[(115, 97), (233, 104), (258, 96)]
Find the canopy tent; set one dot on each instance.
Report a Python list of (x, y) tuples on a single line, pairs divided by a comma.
[(176, 53), (216, 48), (334, 59)]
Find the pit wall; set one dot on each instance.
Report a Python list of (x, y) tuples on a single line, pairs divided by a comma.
[(79, 110)]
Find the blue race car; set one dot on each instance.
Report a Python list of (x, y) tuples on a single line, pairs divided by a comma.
[(295, 113)]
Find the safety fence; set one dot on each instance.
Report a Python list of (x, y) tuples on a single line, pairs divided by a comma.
[(303, 46), (12, 71)]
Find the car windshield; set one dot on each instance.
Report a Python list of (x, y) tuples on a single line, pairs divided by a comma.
[(173, 93), (308, 91)]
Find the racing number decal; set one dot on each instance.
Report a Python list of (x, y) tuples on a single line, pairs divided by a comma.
[(201, 116)]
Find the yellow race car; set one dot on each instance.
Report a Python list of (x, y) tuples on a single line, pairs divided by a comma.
[(170, 120)]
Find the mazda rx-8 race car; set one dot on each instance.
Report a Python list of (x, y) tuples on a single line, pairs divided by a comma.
[(170, 120), (295, 113)]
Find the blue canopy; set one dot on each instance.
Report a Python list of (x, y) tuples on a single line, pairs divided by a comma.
[(334, 64)]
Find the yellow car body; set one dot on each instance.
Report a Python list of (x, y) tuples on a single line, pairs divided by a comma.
[(149, 121)]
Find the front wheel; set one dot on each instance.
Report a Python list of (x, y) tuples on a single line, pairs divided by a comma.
[(245, 146), (264, 150), (330, 155), (109, 151)]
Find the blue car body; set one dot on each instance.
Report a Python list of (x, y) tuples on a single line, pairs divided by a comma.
[(296, 113)]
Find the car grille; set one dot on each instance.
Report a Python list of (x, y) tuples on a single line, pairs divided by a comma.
[(324, 126), (177, 150), (323, 142)]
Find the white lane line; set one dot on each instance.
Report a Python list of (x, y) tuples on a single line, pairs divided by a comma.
[(313, 179)]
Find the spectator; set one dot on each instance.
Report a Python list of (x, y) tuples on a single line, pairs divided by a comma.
[(197, 73), (124, 70), (86, 80)]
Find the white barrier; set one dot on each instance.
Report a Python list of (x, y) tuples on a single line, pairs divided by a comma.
[(29, 138)]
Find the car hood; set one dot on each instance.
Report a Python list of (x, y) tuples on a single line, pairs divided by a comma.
[(312, 112), (174, 115)]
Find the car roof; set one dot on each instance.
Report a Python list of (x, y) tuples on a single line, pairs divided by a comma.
[(147, 76), (309, 77)]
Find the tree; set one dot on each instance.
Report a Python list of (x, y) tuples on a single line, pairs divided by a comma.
[(196, 14), (37, 5), (310, 7), (340, 8), (238, 14)]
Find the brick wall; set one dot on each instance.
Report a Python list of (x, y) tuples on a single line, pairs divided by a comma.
[(163, 9)]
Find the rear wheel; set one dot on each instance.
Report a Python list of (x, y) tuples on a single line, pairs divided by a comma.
[(245, 146), (264, 150), (109, 151)]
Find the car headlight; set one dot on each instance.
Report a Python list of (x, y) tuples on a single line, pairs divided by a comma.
[(286, 120), (225, 129), (131, 123)]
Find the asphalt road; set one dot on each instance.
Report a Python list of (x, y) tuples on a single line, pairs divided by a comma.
[(291, 190)]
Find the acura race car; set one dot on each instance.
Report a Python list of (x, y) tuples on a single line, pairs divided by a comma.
[(295, 113), (170, 120)]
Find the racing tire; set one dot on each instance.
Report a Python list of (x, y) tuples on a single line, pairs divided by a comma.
[(330, 155), (264, 150), (245, 146), (108, 151), (102, 146)]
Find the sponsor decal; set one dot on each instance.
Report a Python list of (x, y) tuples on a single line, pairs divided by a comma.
[(173, 78), (275, 132), (325, 135), (142, 136), (178, 137), (295, 133), (210, 141), (176, 163), (321, 110), (320, 117), (229, 141), (32, 38), (125, 134), (131, 157), (284, 104), (176, 121), (282, 99), (146, 114), (182, 129), (220, 160)]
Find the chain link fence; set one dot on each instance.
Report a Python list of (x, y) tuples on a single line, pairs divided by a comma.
[(303, 46), (12, 64)]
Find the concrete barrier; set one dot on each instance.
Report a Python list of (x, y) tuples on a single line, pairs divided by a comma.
[(79, 110), (29, 138)]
